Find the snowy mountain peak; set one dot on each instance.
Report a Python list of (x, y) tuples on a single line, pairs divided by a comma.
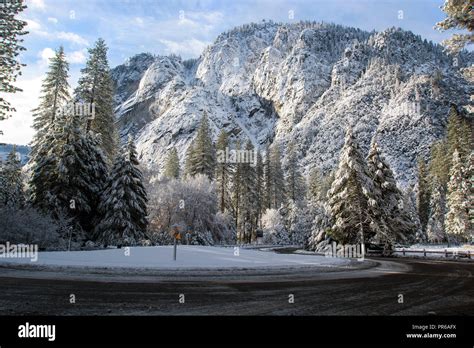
[(302, 82)]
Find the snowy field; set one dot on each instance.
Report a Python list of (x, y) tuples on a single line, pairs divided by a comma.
[(189, 257)]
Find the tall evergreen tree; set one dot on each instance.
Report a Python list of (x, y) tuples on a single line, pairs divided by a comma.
[(423, 194), (11, 28), (203, 156), (389, 222), (79, 172), (48, 125), (95, 87), (248, 197), (278, 190), (259, 189), (435, 229), (351, 196), (458, 136), (189, 166), (295, 186), (457, 222), (12, 192), (124, 202), (223, 171), (172, 170), (268, 180), (237, 193)]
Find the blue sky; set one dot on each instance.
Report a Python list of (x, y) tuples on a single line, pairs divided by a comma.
[(183, 27)]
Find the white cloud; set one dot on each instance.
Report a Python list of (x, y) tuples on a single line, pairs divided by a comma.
[(45, 54), (76, 57), (32, 26), (191, 47), (53, 20), (72, 37), (18, 129), (36, 4), (138, 21)]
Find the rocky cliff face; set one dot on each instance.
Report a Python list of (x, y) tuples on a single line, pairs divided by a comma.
[(303, 83)]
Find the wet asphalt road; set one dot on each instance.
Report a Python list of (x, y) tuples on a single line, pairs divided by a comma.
[(427, 288)]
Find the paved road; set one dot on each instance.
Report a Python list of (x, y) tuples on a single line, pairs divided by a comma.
[(428, 287)]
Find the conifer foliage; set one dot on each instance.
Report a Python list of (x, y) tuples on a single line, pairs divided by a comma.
[(124, 202), (351, 196), (11, 27)]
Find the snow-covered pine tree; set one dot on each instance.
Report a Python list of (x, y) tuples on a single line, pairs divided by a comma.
[(423, 194), (458, 136), (248, 197), (389, 222), (411, 212), (351, 196), (189, 166), (319, 185), (297, 221), (278, 193), (124, 202), (10, 29), (237, 193), (204, 156), (259, 189), (435, 229), (47, 123), (457, 222), (12, 193), (54, 96), (73, 186), (171, 170), (268, 180), (95, 87), (223, 172), (295, 186)]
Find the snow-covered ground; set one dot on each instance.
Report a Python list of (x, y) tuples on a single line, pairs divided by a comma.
[(189, 257)]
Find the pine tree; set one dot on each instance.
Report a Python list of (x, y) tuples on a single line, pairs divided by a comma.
[(458, 136), (203, 156), (278, 190), (77, 179), (10, 29), (12, 192), (389, 222), (294, 180), (54, 95), (48, 125), (440, 163), (459, 16), (95, 87), (457, 219), (351, 196), (268, 180), (171, 170), (223, 171), (248, 197), (435, 230), (237, 193), (423, 195), (319, 185), (124, 202), (259, 189), (189, 166)]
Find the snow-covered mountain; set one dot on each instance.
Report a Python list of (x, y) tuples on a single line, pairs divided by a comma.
[(304, 82)]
